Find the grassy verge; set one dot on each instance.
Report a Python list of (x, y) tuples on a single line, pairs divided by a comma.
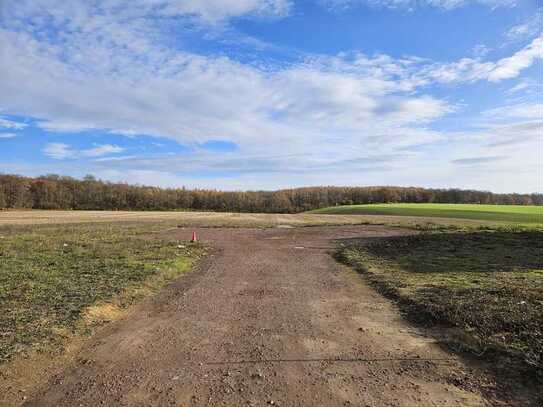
[(484, 289), (56, 280), (527, 215)]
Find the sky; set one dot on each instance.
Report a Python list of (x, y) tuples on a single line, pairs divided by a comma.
[(269, 94)]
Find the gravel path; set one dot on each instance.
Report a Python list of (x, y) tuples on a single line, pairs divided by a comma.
[(269, 319)]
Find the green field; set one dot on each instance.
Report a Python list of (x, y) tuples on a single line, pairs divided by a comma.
[(494, 213)]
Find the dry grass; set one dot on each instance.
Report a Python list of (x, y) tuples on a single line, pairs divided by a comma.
[(220, 219)]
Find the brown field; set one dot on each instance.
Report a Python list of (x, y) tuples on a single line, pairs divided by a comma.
[(224, 219)]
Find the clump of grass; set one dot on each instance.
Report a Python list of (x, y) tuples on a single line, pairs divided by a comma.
[(53, 276), (486, 286)]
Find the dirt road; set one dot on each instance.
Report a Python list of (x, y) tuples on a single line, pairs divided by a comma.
[(269, 319)]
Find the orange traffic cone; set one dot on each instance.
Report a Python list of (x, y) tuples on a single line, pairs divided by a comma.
[(194, 238)]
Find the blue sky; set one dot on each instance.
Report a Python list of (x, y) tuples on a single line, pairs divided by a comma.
[(266, 94)]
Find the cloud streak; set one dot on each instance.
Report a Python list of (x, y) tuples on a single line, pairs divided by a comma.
[(411, 4), (10, 124), (478, 160), (58, 151), (62, 151), (529, 28)]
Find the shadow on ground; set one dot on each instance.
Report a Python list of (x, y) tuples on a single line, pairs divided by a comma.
[(480, 292)]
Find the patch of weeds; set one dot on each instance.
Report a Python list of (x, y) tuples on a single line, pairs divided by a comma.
[(52, 277), (487, 286)]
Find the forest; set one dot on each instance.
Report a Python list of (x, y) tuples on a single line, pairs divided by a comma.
[(89, 193)]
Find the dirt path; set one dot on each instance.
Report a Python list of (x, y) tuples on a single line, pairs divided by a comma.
[(271, 319)]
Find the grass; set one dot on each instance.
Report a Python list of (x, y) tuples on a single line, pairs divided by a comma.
[(484, 288), (495, 213), (58, 279)]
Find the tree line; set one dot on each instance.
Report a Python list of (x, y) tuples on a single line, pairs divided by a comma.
[(61, 192)]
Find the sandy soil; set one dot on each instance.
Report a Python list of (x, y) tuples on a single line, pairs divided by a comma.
[(269, 319)]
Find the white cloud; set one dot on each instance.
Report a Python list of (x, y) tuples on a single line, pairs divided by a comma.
[(101, 150), (7, 135), (10, 124), (518, 111), (514, 133), (471, 70), (464, 70), (480, 50), (519, 87), (511, 126), (218, 10), (510, 67), (61, 151), (411, 4), (76, 14), (58, 151), (529, 28), (479, 160), (525, 89)]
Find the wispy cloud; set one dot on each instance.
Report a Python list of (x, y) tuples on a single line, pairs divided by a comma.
[(519, 110), (101, 150), (10, 124), (525, 90), (58, 151), (7, 135), (476, 69), (411, 4), (479, 160), (529, 28), (77, 12), (519, 87), (202, 162), (480, 50), (514, 133), (510, 67), (61, 151)]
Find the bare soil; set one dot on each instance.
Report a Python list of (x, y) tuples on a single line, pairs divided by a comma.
[(268, 319)]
